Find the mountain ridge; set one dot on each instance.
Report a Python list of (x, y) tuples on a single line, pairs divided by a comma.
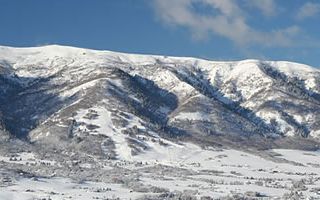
[(45, 88), (56, 47)]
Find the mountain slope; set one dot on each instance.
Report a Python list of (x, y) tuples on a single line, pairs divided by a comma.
[(119, 105)]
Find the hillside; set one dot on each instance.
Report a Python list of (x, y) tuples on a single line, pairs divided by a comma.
[(88, 113), (46, 88)]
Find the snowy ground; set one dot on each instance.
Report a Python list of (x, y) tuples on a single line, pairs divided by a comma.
[(62, 188), (184, 168)]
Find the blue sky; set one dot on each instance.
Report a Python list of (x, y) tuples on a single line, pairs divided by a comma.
[(211, 29)]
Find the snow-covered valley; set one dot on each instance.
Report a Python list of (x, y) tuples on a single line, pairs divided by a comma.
[(183, 171)]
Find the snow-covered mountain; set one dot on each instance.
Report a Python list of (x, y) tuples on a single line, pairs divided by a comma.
[(85, 124), (128, 103)]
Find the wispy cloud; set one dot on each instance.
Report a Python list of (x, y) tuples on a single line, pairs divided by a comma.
[(267, 7), (227, 19), (308, 10)]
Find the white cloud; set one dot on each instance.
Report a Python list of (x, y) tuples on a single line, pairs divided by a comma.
[(308, 10), (227, 20), (268, 7)]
